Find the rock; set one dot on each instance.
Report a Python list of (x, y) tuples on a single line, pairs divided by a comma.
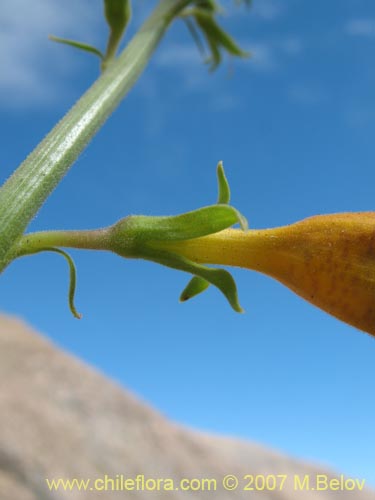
[(60, 419)]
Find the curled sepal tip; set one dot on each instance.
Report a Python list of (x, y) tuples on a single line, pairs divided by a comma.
[(224, 194), (195, 286), (161, 239), (220, 278), (72, 277)]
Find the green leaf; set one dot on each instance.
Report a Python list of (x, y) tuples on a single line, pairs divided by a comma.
[(72, 276), (203, 12), (223, 185), (77, 45), (220, 278), (195, 286), (217, 35), (215, 58)]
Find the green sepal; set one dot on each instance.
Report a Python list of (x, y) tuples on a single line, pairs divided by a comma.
[(72, 276), (222, 184), (195, 224), (128, 236), (147, 237), (220, 278), (195, 286), (78, 45)]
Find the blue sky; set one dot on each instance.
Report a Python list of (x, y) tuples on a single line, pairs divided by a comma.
[(295, 128)]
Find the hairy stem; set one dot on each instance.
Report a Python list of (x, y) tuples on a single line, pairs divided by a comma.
[(95, 239), (26, 190)]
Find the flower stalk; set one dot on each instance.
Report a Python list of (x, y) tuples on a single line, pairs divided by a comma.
[(144, 236), (329, 260)]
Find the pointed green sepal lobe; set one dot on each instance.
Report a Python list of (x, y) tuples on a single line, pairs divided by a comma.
[(200, 222), (223, 185), (128, 236), (152, 238), (77, 45), (220, 278), (195, 286), (244, 225)]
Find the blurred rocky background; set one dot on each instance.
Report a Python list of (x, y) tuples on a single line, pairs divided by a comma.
[(62, 419)]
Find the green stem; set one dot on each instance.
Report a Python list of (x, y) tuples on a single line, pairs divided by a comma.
[(95, 239), (26, 190), (110, 54)]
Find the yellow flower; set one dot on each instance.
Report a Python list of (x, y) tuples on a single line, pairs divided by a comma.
[(328, 260)]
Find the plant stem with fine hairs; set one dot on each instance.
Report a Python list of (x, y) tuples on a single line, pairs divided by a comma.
[(30, 185)]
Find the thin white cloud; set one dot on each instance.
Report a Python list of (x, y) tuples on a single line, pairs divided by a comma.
[(358, 115), (364, 27), (262, 57), (178, 55), (225, 102), (306, 93), (265, 56), (291, 46), (267, 10), (186, 60), (31, 66), (262, 10), (271, 55)]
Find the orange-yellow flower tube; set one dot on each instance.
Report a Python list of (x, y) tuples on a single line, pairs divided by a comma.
[(328, 260)]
